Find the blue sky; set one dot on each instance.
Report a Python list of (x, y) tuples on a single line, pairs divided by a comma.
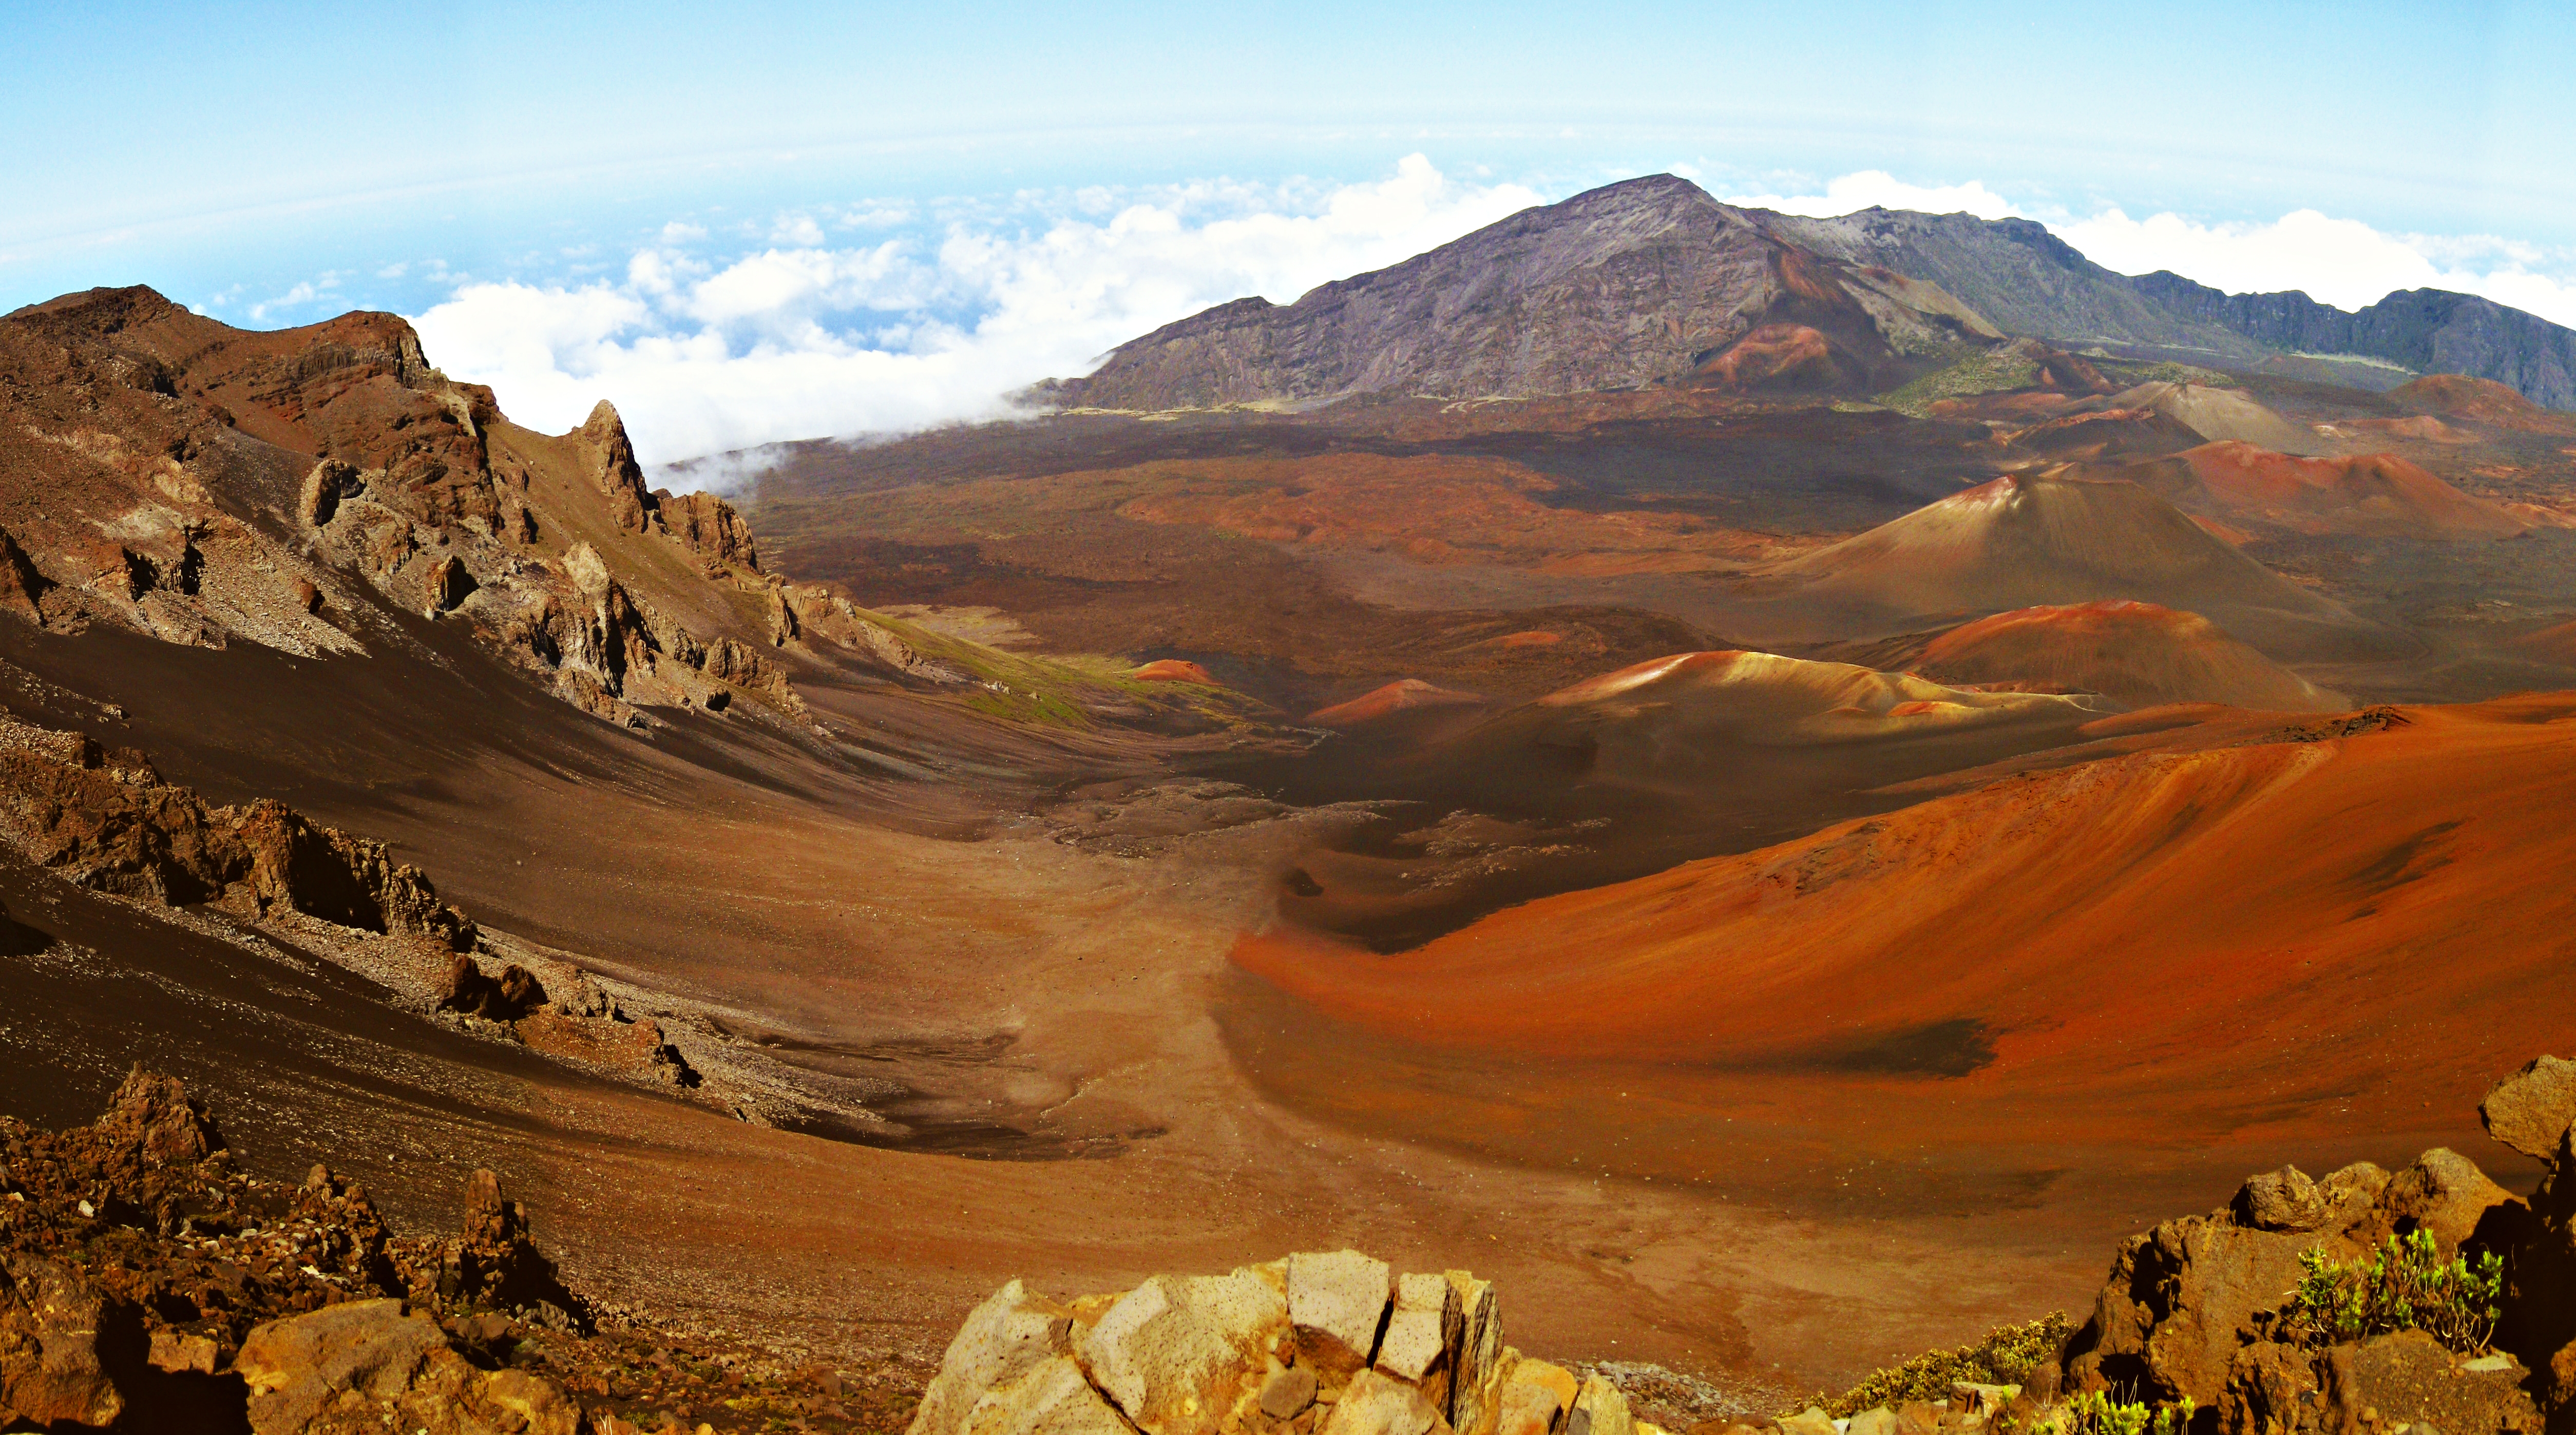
[(888, 213)]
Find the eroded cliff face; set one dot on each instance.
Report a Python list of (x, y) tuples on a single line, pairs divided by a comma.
[(165, 474)]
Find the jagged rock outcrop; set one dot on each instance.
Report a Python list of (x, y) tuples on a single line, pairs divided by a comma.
[(104, 819), (610, 459), (1318, 1343), (2201, 1308), (709, 526), (204, 485), (581, 1025)]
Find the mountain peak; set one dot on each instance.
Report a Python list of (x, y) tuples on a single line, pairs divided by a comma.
[(1642, 282)]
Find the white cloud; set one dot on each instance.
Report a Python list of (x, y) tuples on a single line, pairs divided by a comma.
[(801, 341), (1876, 187), (2342, 262)]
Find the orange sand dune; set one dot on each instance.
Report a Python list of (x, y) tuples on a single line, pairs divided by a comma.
[(1402, 695), (1173, 670), (2376, 494), (2136, 654), (2170, 959)]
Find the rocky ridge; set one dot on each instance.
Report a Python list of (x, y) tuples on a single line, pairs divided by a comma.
[(148, 1284), (165, 474)]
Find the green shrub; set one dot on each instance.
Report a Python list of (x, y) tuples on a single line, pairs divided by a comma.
[(2405, 1285), (2005, 1356), (2096, 1413)]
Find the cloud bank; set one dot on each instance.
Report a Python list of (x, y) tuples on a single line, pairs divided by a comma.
[(801, 339), (722, 336)]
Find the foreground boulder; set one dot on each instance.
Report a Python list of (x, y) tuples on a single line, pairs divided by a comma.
[(370, 1364), (1320, 1343)]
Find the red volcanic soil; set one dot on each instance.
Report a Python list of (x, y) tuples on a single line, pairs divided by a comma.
[(1400, 696), (1776, 356), (2166, 968), (2481, 401), (2136, 654), (1173, 670), (2376, 494)]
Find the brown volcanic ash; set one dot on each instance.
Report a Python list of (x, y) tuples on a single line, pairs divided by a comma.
[(2136, 654), (2118, 966), (2031, 540), (1632, 284)]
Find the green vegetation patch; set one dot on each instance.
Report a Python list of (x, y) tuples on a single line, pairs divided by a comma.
[(2005, 1356), (2132, 373), (2405, 1285), (1993, 372)]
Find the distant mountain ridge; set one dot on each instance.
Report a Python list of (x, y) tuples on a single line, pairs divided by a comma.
[(1653, 281), (2029, 281)]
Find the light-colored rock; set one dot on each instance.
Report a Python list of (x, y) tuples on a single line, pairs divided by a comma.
[(1600, 1408), (1178, 1355), (1047, 1398), (1336, 1300), (1811, 1421), (2445, 1193), (1532, 1396), (588, 572), (1012, 1332), (1474, 1403), (1378, 1404), (1878, 1420), (368, 1365), (2283, 1200), (297, 1366), (1421, 1334), (2531, 1109)]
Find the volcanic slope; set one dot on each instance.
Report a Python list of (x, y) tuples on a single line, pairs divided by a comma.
[(1641, 282), (1632, 771), (2119, 972), (2375, 495), (2135, 654), (2033, 540)]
